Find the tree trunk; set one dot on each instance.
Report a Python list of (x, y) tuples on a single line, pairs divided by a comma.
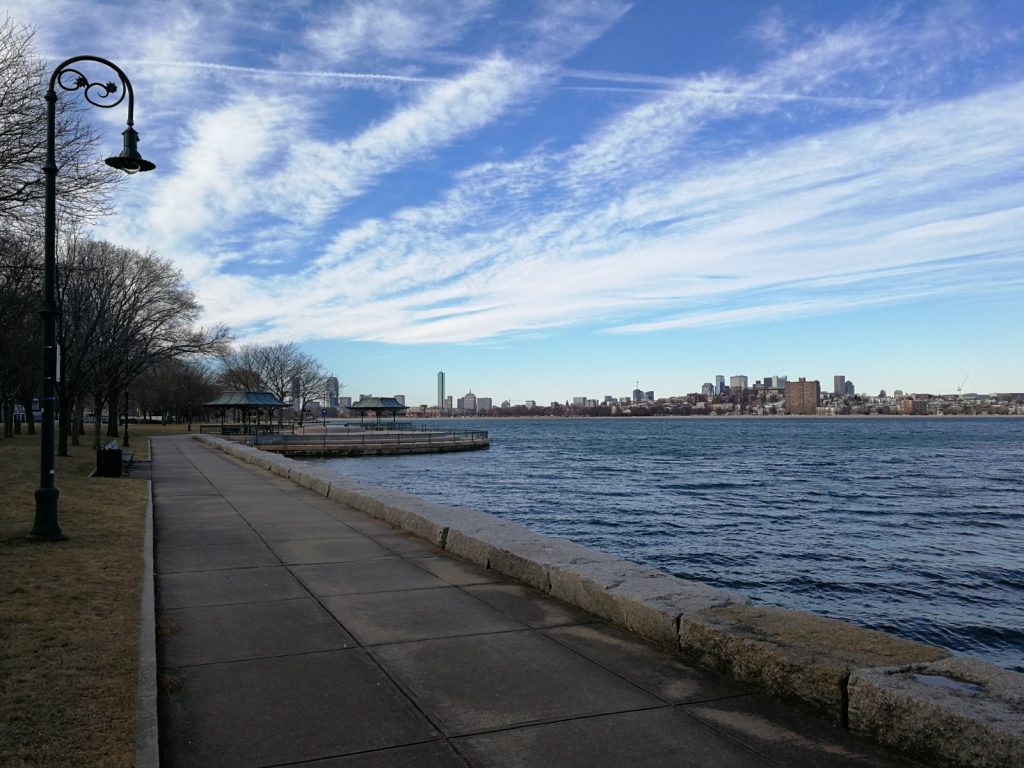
[(97, 427), (7, 406), (26, 403), (78, 421), (65, 425), (113, 399)]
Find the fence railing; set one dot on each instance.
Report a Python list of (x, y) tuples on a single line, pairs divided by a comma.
[(361, 437), (245, 429)]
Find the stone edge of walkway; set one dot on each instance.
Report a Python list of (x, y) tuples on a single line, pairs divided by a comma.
[(147, 730), (909, 696)]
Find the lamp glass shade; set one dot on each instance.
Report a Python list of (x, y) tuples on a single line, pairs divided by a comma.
[(130, 161)]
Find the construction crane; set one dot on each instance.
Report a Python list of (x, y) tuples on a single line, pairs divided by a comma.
[(962, 384)]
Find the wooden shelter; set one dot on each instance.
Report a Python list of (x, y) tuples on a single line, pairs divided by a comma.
[(248, 405), (378, 406)]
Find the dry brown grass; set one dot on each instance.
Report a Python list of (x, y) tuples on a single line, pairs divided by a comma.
[(69, 611)]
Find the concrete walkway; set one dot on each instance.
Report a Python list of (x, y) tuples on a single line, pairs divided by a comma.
[(293, 630)]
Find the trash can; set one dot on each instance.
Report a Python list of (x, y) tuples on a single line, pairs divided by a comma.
[(108, 461)]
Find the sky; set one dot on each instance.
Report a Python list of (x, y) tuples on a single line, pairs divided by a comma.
[(551, 200)]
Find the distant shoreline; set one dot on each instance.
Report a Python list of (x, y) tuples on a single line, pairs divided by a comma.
[(745, 416)]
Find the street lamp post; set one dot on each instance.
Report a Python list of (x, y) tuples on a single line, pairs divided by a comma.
[(68, 78)]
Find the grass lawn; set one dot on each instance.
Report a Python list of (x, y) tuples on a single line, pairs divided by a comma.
[(69, 611)]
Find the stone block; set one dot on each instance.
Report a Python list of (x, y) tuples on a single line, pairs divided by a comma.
[(643, 600), (953, 712), (311, 477), (795, 655), (502, 546)]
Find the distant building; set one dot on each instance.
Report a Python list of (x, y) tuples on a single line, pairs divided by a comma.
[(332, 392), (719, 385), (579, 402), (531, 404), (708, 389), (400, 399), (484, 405), (467, 402), (344, 402), (448, 403), (649, 396), (440, 389), (802, 397), (737, 383), (838, 385), (638, 395), (849, 390), (916, 405)]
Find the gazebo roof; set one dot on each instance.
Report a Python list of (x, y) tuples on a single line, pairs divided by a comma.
[(245, 399), (378, 404)]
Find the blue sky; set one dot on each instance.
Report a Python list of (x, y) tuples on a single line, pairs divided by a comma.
[(548, 200)]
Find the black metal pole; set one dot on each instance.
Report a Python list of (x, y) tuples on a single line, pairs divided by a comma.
[(47, 524)]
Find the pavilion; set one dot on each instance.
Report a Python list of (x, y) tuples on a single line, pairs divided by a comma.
[(379, 406), (247, 403)]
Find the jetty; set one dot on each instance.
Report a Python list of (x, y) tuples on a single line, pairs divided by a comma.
[(355, 440)]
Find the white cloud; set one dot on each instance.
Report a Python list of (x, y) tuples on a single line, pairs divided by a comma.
[(395, 29)]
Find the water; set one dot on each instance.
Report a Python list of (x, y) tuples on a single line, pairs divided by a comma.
[(912, 526)]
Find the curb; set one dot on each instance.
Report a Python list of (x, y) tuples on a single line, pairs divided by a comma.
[(147, 741), (911, 697)]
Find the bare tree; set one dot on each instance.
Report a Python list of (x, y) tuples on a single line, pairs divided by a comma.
[(241, 368), (84, 182), (284, 370), (123, 312), (19, 327), (176, 389)]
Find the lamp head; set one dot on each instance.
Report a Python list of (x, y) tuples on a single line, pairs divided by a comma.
[(130, 161)]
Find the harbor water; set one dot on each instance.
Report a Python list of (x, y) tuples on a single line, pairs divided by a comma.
[(914, 526)]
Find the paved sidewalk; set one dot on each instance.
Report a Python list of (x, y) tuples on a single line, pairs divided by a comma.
[(293, 630)]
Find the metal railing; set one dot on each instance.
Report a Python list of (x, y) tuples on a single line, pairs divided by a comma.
[(362, 438), (228, 430)]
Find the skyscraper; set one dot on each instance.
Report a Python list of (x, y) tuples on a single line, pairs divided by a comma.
[(332, 392), (738, 383), (440, 389), (719, 385), (838, 386)]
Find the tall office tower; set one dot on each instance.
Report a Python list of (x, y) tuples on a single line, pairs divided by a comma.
[(649, 396), (850, 390), (440, 389), (484, 405), (400, 399), (737, 383), (332, 392), (838, 386), (638, 395), (719, 385), (708, 389), (802, 397)]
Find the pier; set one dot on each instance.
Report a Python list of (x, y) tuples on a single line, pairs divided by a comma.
[(350, 440)]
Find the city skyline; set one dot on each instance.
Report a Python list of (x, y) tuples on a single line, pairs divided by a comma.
[(550, 200), (778, 383)]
